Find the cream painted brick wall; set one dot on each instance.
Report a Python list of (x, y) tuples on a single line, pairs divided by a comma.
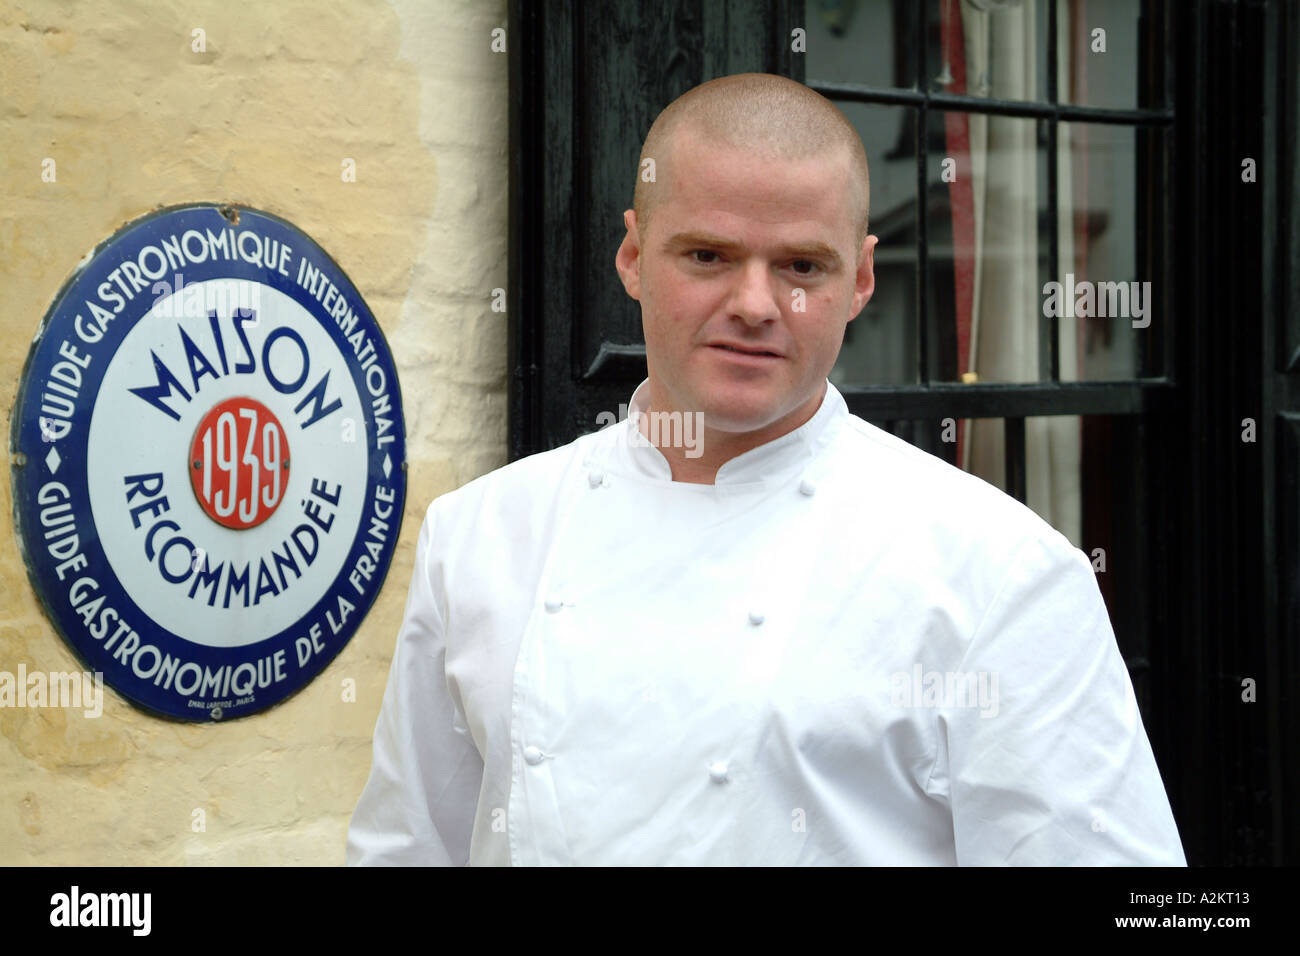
[(135, 119)]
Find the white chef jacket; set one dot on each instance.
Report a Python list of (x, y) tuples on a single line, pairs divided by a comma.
[(600, 665)]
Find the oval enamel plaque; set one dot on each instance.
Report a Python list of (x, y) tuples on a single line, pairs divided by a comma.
[(209, 461)]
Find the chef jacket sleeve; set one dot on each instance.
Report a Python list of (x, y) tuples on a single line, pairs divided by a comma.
[(1055, 769), (418, 805)]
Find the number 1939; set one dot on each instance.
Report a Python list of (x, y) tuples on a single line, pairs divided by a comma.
[(239, 463)]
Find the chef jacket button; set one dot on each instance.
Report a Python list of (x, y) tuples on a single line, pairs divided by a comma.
[(807, 487), (553, 604), (756, 617), (718, 772), (596, 479), (533, 755)]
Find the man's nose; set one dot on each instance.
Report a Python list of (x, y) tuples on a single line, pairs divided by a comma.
[(754, 295)]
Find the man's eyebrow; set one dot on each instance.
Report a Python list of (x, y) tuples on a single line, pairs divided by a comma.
[(694, 240)]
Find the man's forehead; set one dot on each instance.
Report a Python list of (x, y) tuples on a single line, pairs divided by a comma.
[(691, 155), (709, 187)]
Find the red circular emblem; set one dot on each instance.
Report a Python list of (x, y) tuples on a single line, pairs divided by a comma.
[(239, 463)]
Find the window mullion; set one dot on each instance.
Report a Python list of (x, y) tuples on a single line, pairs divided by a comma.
[(1014, 433), (922, 219), (1053, 210)]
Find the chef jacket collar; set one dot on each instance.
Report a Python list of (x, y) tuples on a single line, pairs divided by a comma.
[(771, 461)]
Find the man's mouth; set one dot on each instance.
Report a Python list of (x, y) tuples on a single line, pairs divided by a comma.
[(751, 352)]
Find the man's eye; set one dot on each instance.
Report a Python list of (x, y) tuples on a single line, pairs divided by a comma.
[(804, 267), (704, 252)]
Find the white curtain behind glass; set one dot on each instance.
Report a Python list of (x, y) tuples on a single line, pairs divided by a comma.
[(1001, 56)]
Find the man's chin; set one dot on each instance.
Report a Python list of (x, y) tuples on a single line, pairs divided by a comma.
[(741, 413), (741, 407), (740, 417)]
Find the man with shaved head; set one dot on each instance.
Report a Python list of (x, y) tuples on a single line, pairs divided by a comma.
[(762, 169), (790, 639)]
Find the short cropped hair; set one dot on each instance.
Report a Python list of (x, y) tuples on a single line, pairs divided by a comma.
[(770, 116)]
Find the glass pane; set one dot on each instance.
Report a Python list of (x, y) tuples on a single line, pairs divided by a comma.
[(1106, 285), (880, 344), (1071, 481), (1098, 60), (1053, 488), (988, 250), (1116, 522), (988, 48), (873, 42)]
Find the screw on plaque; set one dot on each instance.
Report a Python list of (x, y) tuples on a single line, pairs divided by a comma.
[(197, 463), (231, 214), (215, 713)]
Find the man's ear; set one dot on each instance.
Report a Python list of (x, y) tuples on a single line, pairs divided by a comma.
[(628, 258), (865, 281)]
